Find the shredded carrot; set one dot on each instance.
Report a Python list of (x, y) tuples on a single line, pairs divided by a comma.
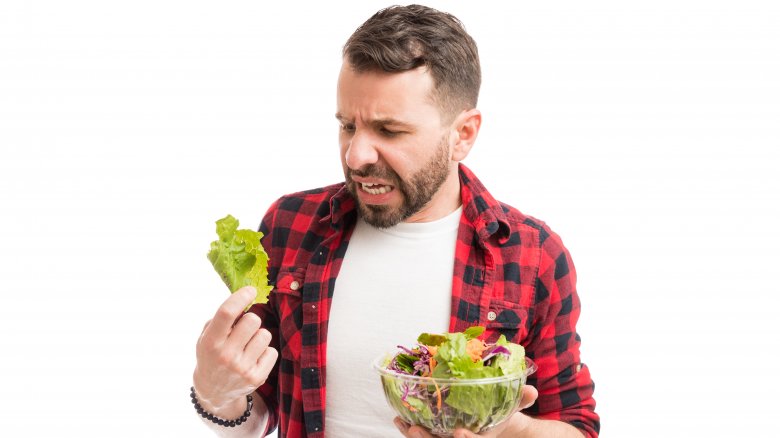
[(438, 396), (474, 348), (408, 406)]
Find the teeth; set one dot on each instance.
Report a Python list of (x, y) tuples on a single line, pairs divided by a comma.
[(375, 189)]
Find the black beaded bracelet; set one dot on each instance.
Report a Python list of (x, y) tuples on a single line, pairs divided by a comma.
[(216, 420)]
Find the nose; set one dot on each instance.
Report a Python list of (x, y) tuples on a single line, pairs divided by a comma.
[(361, 151)]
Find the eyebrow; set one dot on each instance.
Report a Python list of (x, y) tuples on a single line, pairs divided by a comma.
[(381, 122)]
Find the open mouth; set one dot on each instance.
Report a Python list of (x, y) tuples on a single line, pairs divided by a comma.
[(376, 189)]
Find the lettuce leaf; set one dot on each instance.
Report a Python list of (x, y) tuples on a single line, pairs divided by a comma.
[(452, 355), (239, 258), (515, 363), (431, 339), (485, 401), (474, 332)]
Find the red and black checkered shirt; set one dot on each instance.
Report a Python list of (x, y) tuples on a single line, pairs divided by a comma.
[(512, 275)]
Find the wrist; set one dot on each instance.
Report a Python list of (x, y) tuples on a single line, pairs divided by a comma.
[(518, 426), (219, 419), (224, 409)]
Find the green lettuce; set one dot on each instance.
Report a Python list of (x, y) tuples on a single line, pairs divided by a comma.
[(239, 258), (481, 402), (467, 402), (515, 363)]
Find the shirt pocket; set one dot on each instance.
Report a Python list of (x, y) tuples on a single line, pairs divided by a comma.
[(288, 287), (509, 319)]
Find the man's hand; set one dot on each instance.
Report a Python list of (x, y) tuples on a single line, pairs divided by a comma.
[(513, 426), (233, 356)]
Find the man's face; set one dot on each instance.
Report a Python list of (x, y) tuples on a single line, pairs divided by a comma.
[(394, 150)]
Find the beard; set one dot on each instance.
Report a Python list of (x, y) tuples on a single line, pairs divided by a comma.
[(416, 192)]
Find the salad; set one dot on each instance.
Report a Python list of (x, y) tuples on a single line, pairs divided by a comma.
[(239, 258), (455, 380)]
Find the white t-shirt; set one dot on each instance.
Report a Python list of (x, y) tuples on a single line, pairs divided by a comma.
[(394, 284)]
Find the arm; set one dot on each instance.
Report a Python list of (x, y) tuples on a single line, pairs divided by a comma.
[(558, 400), (233, 359), (563, 381), (523, 426), (255, 426)]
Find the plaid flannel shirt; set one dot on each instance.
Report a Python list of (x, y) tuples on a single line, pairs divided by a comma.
[(512, 275)]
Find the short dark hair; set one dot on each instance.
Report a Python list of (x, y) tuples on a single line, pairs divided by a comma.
[(402, 38)]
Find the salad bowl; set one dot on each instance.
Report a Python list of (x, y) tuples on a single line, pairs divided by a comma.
[(442, 399)]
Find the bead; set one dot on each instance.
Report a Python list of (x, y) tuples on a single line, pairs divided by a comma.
[(214, 419)]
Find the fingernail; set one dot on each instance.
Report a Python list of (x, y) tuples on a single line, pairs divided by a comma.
[(400, 425)]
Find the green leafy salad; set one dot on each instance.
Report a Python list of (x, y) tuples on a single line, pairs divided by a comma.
[(239, 258), (455, 380)]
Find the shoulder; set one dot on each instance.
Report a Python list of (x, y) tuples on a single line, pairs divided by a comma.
[(313, 204), (531, 229)]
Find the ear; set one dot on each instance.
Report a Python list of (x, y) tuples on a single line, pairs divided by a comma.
[(465, 128)]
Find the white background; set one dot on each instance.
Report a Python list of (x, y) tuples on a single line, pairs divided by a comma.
[(642, 132)]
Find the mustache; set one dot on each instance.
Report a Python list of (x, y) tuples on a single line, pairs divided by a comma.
[(373, 171)]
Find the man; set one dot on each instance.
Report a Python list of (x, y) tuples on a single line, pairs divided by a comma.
[(411, 242)]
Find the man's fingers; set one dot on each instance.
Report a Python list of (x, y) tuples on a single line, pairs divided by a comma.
[(530, 395), (203, 332), (265, 363), (258, 344), (417, 431), (230, 310), (402, 427), (242, 332)]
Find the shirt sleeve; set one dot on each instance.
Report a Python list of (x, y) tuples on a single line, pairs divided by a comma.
[(563, 381), (270, 321)]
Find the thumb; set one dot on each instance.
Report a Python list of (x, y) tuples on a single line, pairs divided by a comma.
[(530, 394), (249, 293)]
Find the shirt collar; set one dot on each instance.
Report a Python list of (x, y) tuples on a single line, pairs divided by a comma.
[(486, 214), (342, 204)]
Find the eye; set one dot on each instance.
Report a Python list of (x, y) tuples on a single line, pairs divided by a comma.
[(347, 127), (388, 133)]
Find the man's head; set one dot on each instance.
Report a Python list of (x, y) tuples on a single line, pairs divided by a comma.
[(407, 93), (402, 38)]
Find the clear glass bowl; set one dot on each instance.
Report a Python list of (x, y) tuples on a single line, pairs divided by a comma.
[(443, 405)]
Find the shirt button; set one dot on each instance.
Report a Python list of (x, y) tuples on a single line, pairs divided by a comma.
[(491, 316), (295, 285)]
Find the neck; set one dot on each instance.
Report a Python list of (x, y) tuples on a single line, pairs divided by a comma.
[(445, 201)]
